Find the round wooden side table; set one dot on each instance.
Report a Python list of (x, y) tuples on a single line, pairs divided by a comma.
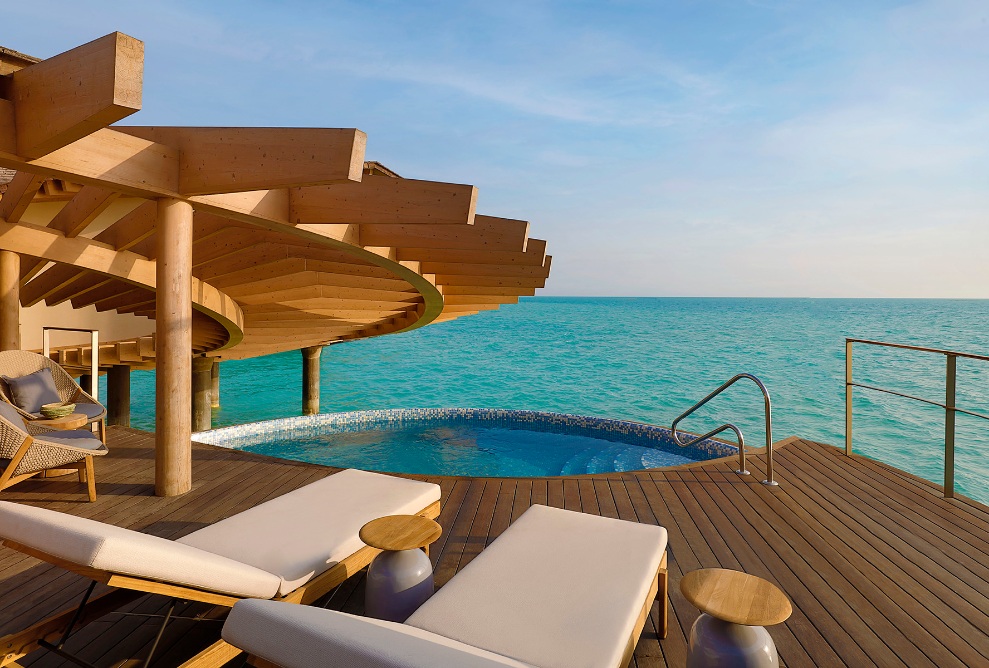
[(736, 607), (400, 579), (70, 421)]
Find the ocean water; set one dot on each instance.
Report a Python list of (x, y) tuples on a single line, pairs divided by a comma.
[(650, 359)]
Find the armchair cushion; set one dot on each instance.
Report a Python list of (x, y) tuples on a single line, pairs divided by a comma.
[(77, 438), (10, 414), (33, 391)]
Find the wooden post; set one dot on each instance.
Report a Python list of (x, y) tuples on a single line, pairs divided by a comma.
[(173, 359), (214, 393), (10, 300), (202, 381), (86, 381), (118, 395), (310, 380)]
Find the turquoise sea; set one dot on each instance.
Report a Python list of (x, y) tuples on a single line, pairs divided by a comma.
[(649, 359)]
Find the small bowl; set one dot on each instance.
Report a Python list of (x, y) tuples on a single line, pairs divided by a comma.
[(52, 411)]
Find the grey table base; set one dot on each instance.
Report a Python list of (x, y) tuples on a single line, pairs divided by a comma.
[(397, 584), (715, 643)]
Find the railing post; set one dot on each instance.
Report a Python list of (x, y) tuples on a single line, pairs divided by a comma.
[(848, 397), (949, 427)]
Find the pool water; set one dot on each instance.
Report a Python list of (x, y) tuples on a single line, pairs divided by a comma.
[(469, 442)]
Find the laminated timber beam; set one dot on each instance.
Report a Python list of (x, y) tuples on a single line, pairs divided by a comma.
[(311, 243), (385, 200), (20, 192), (228, 160), (82, 210), (124, 265), (43, 286), (63, 99)]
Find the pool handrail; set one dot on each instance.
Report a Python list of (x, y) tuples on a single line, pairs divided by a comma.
[(738, 433)]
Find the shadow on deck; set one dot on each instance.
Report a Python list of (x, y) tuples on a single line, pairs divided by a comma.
[(882, 571)]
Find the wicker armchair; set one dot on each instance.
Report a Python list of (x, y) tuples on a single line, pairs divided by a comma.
[(27, 450), (15, 363)]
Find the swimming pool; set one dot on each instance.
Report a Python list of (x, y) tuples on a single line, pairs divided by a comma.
[(475, 442)]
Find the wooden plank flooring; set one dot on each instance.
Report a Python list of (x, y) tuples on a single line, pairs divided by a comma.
[(882, 571)]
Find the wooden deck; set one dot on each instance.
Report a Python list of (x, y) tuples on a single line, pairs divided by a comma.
[(882, 571)]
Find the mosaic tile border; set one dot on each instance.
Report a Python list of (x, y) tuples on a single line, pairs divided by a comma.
[(618, 431)]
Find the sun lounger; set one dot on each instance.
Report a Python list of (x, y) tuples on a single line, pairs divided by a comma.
[(557, 589), (294, 548)]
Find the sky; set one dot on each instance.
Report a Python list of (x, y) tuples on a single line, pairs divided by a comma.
[(760, 148)]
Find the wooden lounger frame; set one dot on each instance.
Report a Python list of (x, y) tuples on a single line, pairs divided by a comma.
[(660, 589), (128, 588)]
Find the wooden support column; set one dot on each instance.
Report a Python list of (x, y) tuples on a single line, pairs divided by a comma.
[(202, 382), (310, 380), (10, 300), (173, 359), (214, 393), (118, 395)]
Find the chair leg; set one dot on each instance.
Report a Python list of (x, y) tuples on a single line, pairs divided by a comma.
[(90, 474), (664, 603)]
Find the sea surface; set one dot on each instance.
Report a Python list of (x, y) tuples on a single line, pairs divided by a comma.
[(650, 359)]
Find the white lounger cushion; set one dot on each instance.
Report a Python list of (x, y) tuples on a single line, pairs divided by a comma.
[(305, 532), (557, 589), (298, 636), (116, 550)]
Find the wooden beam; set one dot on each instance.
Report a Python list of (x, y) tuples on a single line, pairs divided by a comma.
[(385, 200), (453, 268), (65, 98), (486, 290), (108, 159), (173, 378), (487, 233), (125, 265), (506, 283), (225, 160), (462, 300), (19, 194), (89, 281), (132, 229), (82, 210), (534, 255), (48, 283), (119, 299)]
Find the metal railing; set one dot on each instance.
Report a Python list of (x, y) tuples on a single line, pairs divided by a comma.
[(950, 391), (738, 433), (94, 378)]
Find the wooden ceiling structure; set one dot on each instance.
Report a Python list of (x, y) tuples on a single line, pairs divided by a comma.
[(278, 238)]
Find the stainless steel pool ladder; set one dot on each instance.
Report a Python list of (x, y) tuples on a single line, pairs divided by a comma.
[(738, 433)]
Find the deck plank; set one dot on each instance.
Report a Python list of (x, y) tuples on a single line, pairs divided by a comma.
[(881, 569)]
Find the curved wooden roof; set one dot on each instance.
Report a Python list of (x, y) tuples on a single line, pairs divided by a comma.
[(297, 241)]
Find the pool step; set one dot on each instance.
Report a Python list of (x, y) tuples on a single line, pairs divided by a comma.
[(606, 459), (629, 459), (655, 458), (577, 464)]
